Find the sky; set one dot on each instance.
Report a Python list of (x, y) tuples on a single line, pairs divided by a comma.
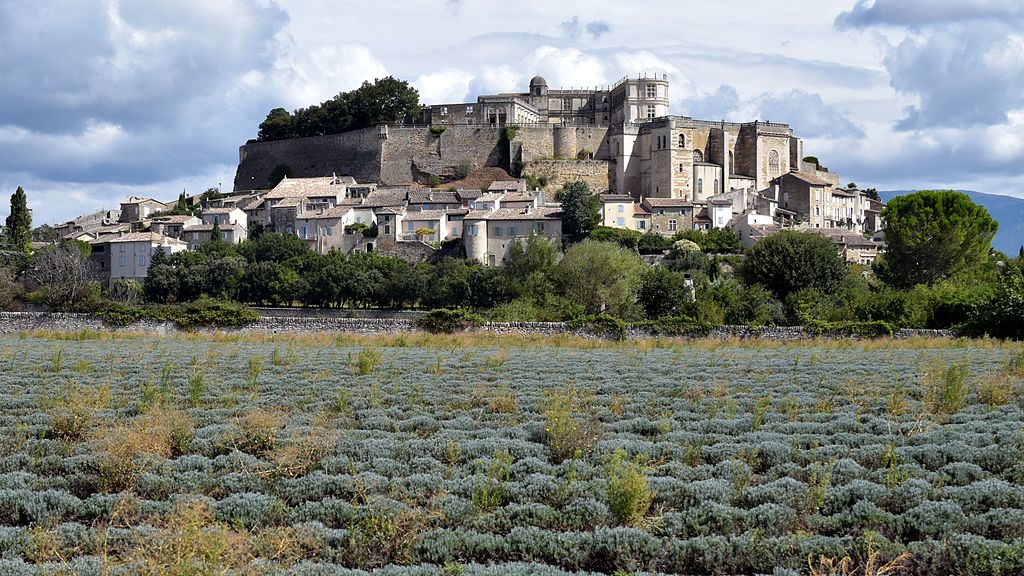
[(105, 99)]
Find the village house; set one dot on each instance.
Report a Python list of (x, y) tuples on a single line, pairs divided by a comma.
[(489, 234), (128, 255), (173, 225), (137, 210)]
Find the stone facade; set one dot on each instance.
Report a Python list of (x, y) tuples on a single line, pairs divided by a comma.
[(559, 172)]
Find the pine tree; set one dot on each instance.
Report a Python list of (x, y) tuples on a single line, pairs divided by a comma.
[(215, 233), (19, 222), (181, 207)]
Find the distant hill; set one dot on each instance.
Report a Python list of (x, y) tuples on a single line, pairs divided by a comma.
[(1006, 210)]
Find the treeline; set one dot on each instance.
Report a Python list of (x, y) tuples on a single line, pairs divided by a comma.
[(385, 100)]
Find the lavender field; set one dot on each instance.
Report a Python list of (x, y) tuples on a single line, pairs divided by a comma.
[(440, 455)]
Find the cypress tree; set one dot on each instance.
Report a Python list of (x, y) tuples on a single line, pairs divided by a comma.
[(19, 222)]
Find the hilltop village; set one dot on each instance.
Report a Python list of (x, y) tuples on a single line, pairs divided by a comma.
[(472, 179)]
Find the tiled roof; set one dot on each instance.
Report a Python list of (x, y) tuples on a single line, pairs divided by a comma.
[(209, 227), (812, 180), (639, 210), (386, 197), (433, 197), (518, 197), (615, 198), (425, 215), (174, 219), (132, 201), (305, 187), (136, 237), (544, 213), (507, 185), (328, 214), (218, 210), (666, 202)]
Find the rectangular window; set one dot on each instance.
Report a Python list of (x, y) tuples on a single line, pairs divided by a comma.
[(472, 229), (566, 104), (652, 91), (497, 231), (511, 231), (303, 233), (641, 224), (621, 221), (142, 260), (327, 231), (621, 209), (671, 225), (120, 260), (122, 247), (387, 229), (223, 235), (681, 168), (817, 211), (469, 110), (444, 110), (651, 111), (540, 226)]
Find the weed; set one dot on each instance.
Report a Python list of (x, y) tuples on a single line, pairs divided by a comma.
[(254, 371), (196, 386), (365, 362), (489, 491), (567, 433), (945, 387), (760, 410), (56, 359), (496, 360), (629, 495)]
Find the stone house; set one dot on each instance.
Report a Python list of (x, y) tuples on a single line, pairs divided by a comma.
[(173, 225), (128, 255), (136, 210), (617, 211), (489, 234), (669, 215)]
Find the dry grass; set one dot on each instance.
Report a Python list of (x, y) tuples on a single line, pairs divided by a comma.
[(847, 566), (124, 450)]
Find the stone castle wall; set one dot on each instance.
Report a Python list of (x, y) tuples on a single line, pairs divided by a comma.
[(559, 172), (414, 154), (356, 154)]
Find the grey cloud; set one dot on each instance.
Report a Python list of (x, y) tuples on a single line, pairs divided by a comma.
[(133, 64), (162, 82), (808, 114), (598, 28), (918, 13)]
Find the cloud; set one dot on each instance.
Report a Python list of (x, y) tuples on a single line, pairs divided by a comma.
[(807, 113), (918, 13), (573, 28), (721, 103), (963, 61), (307, 78), (598, 28), (446, 86)]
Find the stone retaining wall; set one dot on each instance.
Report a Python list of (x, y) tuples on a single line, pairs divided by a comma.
[(15, 322)]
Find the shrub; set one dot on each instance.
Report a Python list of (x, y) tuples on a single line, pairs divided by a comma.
[(566, 432), (601, 325), (447, 321), (629, 495), (202, 312), (436, 131), (945, 387)]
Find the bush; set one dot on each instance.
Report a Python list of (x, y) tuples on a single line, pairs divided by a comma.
[(447, 321), (945, 388), (203, 312), (566, 432), (601, 325), (625, 238), (789, 261), (651, 243)]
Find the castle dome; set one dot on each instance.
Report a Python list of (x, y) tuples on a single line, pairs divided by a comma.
[(538, 81)]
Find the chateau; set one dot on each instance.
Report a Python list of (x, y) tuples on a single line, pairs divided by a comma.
[(654, 173)]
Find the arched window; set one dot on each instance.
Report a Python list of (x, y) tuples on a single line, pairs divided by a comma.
[(698, 156), (700, 186), (716, 186), (682, 141), (773, 163)]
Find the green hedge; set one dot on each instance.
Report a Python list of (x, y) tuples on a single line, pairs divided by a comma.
[(189, 316), (447, 321), (677, 326), (868, 329), (601, 325)]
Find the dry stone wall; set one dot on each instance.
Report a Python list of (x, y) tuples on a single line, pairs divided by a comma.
[(15, 322)]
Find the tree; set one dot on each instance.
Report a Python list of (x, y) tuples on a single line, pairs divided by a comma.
[(66, 276), (529, 267), (161, 283), (19, 223), (934, 234), (788, 261), (873, 194), (601, 277), (581, 209), (384, 100), (663, 293), (277, 126), (273, 247)]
